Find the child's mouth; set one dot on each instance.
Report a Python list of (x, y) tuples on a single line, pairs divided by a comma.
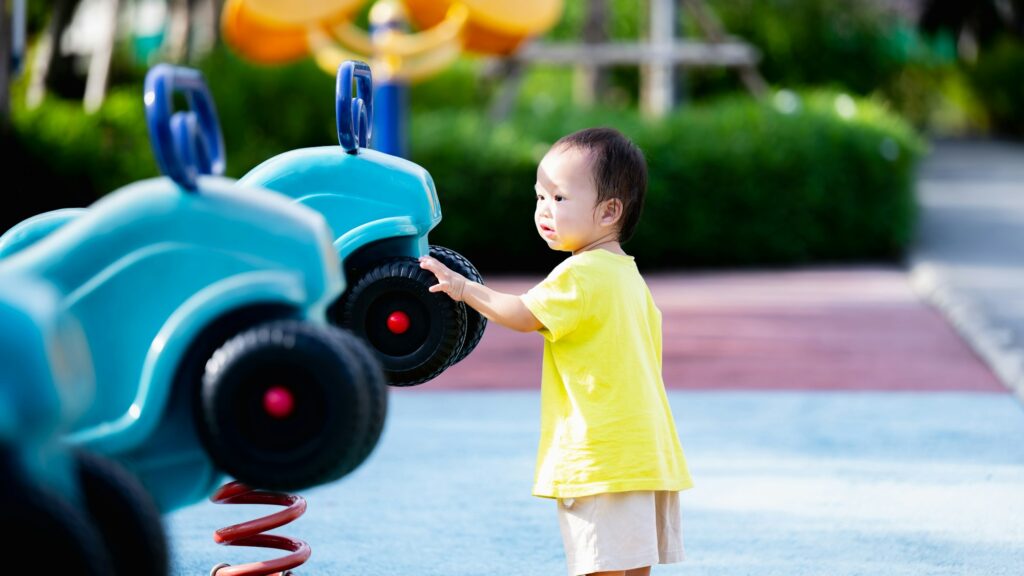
[(547, 231)]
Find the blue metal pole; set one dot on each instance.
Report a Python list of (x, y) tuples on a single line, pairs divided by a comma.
[(390, 118), (390, 92)]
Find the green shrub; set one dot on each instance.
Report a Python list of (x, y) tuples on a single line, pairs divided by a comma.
[(855, 46), (78, 157), (109, 148), (65, 157), (267, 110), (731, 183), (816, 42), (998, 78)]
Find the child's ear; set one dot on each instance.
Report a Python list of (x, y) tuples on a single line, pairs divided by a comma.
[(611, 212)]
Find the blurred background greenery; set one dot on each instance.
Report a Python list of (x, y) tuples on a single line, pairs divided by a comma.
[(820, 169)]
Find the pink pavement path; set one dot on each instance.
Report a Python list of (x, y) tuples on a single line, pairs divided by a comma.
[(843, 329)]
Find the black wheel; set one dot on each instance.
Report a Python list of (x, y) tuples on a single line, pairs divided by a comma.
[(64, 538), (414, 333), (125, 515), (475, 321), (288, 405), (376, 384)]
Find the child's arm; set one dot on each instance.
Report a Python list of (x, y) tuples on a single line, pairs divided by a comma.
[(505, 309)]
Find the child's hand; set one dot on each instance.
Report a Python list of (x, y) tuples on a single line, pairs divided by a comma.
[(451, 283)]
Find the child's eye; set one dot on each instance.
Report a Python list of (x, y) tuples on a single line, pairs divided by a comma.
[(539, 198), (559, 198)]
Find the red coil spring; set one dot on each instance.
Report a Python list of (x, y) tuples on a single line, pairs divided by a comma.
[(251, 533)]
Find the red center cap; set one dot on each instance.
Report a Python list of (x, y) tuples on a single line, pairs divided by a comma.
[(278, 402), (398, 322)]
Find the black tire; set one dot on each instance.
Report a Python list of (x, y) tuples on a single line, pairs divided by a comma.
[(40, 519), (475, 321), (326, 434), (437, 327), (376, 384), (125, 515)]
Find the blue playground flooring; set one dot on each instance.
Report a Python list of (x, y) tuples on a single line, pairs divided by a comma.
[(788, 484)]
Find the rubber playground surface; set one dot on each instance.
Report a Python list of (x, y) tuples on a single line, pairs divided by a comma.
[(833, 423)]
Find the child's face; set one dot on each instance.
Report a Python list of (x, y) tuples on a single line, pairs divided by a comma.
[(566, 216)]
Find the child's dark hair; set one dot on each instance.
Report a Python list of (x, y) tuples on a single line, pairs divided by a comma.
[(618, 168)]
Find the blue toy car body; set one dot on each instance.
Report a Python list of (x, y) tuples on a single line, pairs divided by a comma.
[(367, 198), (147, 270), (82, 506), (46, 380), (201, 300)]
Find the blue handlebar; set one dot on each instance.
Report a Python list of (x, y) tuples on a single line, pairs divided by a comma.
[(186, 143), (354, 115)]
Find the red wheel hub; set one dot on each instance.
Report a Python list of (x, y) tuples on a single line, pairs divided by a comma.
[(398, 322), (279, 402)]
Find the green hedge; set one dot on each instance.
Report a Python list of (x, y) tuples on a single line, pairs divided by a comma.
[(65, 157), (109, 148), (998, 78), (76, 157), (823, 178), (732, 182)]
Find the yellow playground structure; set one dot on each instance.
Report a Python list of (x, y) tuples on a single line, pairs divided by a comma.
[(278, 31)]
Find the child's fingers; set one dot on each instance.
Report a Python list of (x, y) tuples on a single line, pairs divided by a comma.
[(432, 264), (436, 288)]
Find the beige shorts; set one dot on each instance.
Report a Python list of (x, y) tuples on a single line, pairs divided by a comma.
[(620, 531)]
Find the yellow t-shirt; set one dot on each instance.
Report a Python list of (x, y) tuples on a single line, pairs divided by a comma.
[(606, 425)]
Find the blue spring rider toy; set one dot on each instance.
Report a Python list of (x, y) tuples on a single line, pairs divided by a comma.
[(93, 517), (381, 208), (203, 304)]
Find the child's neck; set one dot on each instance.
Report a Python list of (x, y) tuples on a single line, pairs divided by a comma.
[(611, 244)]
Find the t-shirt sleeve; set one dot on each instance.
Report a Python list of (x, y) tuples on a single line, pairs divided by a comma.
[(557, 302)]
